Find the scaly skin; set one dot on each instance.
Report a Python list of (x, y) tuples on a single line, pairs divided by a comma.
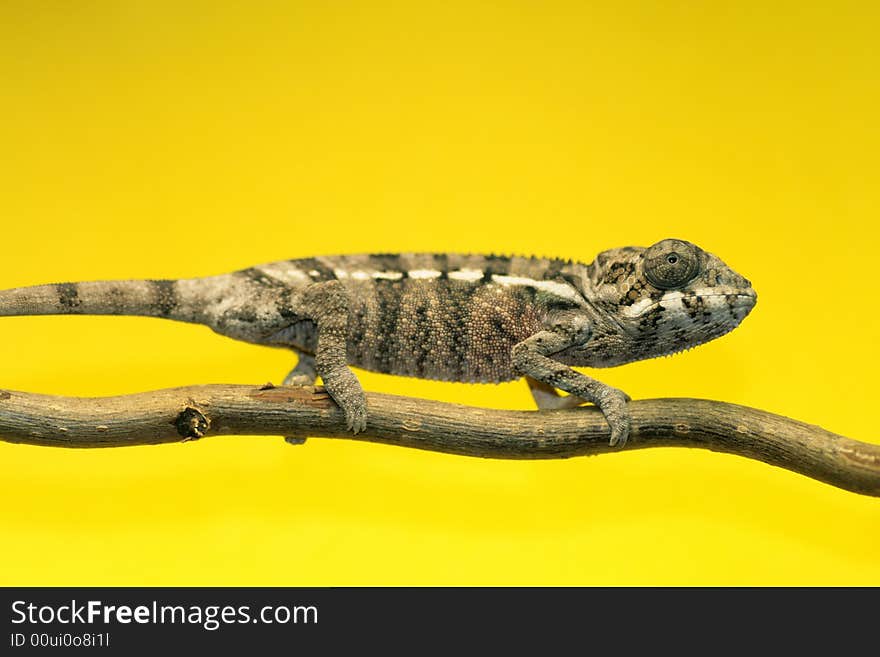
[(443, 316)]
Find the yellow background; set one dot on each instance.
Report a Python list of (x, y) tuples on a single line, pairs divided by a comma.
[(174, 139)]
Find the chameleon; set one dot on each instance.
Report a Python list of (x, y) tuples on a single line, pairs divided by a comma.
[(445, 316)]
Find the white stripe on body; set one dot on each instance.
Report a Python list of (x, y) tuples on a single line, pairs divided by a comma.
[(553, 287)]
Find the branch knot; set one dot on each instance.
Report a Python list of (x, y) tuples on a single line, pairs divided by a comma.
[(192, 424)]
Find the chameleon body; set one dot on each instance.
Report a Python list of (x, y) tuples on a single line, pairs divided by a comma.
[(451, 317)]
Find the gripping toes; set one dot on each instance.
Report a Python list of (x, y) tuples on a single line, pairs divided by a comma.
[(613, 407), (356, 418), (346, 391)]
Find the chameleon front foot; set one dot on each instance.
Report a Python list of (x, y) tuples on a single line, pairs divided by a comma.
[(612, 403), (346, 391), (356, 419), (613, 407)]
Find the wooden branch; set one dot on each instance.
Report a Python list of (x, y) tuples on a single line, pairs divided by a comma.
[(188, 413)]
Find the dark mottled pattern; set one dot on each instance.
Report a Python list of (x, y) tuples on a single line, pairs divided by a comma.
[(633, 292), (650, 321), (454, 317), (441, 264), (166, 297), (383, 345), (495, 265), (68, 296), (384, 262), (455, 299), (261, 278), (435, 327), (422, 339), (693, 306), (321, 271), (617, 272), (441, 316), (553, 269), (284, 303), (447, 328)]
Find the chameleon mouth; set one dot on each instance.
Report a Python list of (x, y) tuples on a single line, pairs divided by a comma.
[(699, 340), (740, 301)]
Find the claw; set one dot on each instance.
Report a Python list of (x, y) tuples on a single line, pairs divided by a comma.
[(618, 418), (346, 391), (356, 420), (619, 432)]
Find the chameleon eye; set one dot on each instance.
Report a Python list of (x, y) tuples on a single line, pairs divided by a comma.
[(671, 264)]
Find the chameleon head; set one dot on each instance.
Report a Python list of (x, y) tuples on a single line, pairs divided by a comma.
[(664, 299)]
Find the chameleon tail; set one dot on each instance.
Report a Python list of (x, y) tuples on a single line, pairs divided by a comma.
[(152, 298)]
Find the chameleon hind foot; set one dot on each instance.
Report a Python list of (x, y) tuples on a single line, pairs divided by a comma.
[(303, 374)]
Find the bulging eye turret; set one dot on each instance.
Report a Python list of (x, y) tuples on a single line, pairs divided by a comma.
[(671, 264)]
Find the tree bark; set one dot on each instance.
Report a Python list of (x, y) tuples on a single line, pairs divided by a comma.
[(180, 414)]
